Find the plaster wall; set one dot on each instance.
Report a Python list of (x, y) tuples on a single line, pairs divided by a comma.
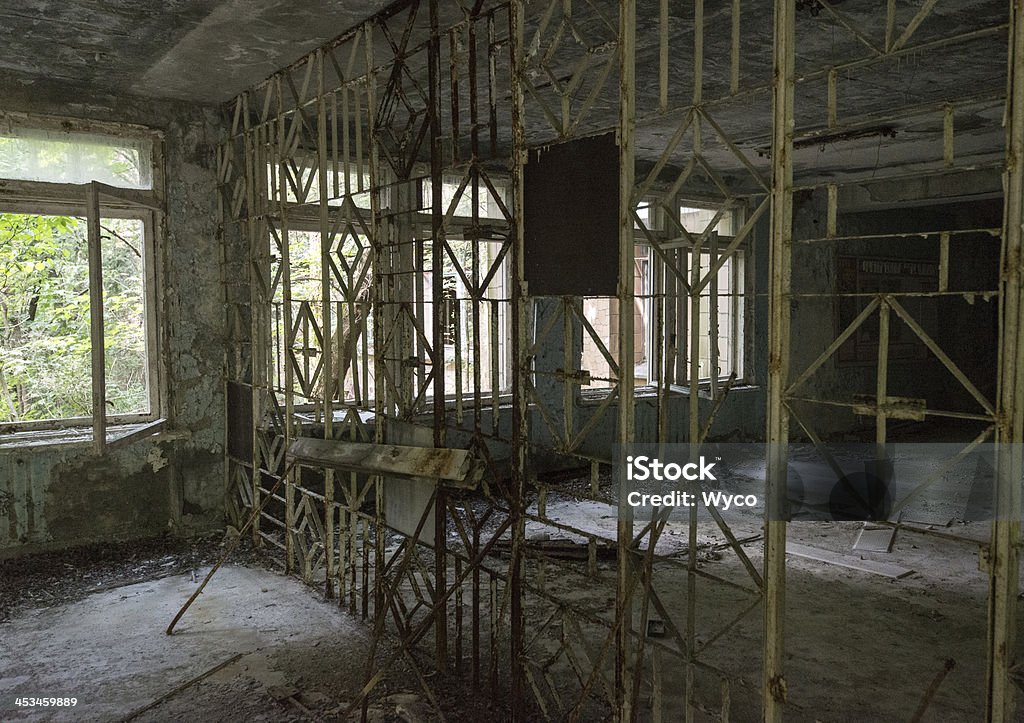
[(64, 494)]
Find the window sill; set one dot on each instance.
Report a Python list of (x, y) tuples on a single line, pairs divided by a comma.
[(81, 437), (595, 397)]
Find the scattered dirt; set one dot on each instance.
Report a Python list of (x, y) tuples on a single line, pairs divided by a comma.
[(89, 622), (859, 646), (62, 577)]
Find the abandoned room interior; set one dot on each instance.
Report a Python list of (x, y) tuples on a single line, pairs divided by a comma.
[(317, 321)]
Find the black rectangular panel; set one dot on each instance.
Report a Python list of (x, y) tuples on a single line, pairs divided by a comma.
[(240, 421), (571, 218)]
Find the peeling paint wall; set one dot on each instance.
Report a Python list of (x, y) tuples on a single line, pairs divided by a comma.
[(61, 495)]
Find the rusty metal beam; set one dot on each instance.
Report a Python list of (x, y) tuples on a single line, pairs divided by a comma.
[(627, 404), (780, 243), (1005, 543)]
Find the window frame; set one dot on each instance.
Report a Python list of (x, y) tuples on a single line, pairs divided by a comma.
[(45, 198), (458, 228), (309, 223), (741, 279)]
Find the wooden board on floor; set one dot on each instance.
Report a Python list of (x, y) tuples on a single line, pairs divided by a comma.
[(885, 569), (875, 538)]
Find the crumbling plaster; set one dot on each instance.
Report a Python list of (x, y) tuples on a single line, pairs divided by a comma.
[(63, 494)]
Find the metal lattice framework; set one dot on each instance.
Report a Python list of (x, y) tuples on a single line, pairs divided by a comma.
[(376, 186)]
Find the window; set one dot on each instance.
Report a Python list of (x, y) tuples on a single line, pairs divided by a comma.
[(475, 330), (662, 311), (477, 285), (297, 330), (48, 347), (301, 178), (476, 334), (729, 312), (487, 206), (61, 156)]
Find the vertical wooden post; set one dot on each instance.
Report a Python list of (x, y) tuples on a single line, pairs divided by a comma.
[(521, 371), (99, 372), (324, 167), (279, 160), (437, 237), (256, 313), (882, 379)]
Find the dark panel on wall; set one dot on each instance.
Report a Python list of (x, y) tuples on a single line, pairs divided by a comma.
[(240, 421), (571, 218)]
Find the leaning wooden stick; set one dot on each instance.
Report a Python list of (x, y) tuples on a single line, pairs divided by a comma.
[(947, 666), (187, 684), (231, 548)]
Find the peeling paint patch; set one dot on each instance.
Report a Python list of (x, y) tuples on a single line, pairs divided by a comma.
[(156, 459)]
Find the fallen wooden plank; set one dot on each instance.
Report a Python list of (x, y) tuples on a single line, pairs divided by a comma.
[(561, 549), (454, 467), (873, 538), (885, 569)]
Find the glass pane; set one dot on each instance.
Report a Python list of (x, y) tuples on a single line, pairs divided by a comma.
[(645, 212), (470, 327), (302, 345), (695, 220), (724, 315), (302, 184), (58, 157), (487, 205), (124, 316), (602, 314), (45, 346)]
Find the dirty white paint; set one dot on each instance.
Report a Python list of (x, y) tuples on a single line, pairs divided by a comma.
[(156, 459)]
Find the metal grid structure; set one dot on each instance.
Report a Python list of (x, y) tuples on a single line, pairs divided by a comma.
[(396, 154)]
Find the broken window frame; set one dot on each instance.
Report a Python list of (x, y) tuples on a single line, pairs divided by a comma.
[(93, 202), (740, 312)]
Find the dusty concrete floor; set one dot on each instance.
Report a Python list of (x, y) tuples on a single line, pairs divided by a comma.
[(110, 652), (859, 647)]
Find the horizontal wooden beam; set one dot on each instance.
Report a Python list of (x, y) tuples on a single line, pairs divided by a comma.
[(453, 467), (43, 196)]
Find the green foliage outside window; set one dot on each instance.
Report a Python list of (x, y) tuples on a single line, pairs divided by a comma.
[(45, 369)]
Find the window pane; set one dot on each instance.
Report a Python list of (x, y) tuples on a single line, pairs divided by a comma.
[(301, 344), (302, 184), (644, 212), (466, 328), (45, 346), (728, 307), (487, 205), (124, 316), (58, 157), (600, 312), (695, 220)]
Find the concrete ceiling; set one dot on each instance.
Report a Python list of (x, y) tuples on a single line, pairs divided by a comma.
[(208, 51), (204, 51)]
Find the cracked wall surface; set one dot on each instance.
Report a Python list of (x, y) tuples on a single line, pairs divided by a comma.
[(62, 494)]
